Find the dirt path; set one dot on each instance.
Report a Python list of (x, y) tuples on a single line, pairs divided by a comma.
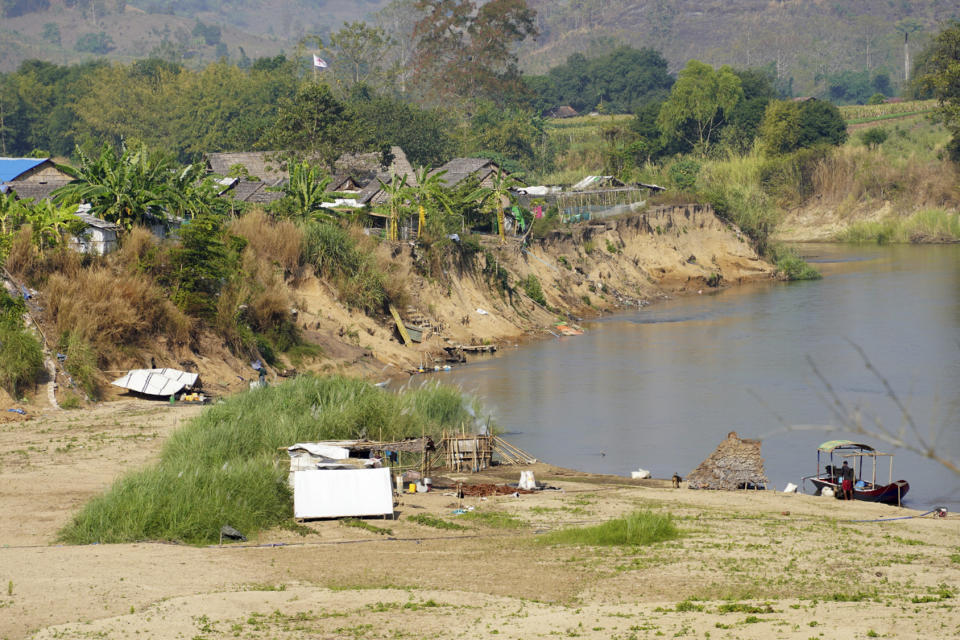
[(748, 565)]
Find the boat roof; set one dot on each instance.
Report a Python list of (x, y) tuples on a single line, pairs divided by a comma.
[(830, 445)]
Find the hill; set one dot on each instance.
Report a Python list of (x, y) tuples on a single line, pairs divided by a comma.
[(66, 31), (803, 41)]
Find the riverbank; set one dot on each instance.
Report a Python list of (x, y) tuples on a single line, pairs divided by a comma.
[(584, 270), (747, 564), (479, 292)]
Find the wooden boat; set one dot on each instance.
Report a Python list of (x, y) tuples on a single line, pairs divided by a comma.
[(830, 456)]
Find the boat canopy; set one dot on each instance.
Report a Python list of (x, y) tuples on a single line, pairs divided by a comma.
[(830, 445)]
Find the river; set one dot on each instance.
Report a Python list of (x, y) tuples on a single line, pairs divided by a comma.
[(660, 388)]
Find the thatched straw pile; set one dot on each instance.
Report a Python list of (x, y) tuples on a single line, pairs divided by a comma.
[(736, 464)]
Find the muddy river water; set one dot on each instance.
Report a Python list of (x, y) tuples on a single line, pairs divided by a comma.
[(659, 388)]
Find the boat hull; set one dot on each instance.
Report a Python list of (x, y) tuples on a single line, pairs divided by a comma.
[(892, 493)]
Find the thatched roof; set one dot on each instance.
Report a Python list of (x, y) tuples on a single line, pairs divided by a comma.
[(36, 190), (459, 169), (252, 191), (736, 464), (364, 168), (373, 193), (265, 165), (565, 111)]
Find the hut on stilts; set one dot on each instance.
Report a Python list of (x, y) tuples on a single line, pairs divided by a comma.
[(736, 464)]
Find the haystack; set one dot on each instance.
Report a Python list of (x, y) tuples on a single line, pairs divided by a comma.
[(736, 464)]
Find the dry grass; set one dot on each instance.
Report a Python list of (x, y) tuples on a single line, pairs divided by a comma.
[(136, 245), (23, 259), (277, 241), (857, 174), (112, 310)]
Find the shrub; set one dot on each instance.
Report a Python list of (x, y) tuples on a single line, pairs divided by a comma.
[(81, 363), (683, 173), (874, 137), (790, 266), (531, 285), (21, 356), (635, 529), (21, 359)]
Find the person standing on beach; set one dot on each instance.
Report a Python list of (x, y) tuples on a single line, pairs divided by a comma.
[(846, 476)]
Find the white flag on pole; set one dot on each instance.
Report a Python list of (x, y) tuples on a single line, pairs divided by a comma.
[(318, 62)]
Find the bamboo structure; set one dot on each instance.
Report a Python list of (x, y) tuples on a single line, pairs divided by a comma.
[(474, 452)]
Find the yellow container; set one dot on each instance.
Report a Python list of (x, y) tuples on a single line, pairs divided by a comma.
[(412, 488)]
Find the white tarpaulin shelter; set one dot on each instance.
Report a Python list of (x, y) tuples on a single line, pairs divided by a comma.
[(156, 382), (339, 493)]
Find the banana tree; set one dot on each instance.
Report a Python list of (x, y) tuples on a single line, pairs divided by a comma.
[(307, 187), (398, 192), (429, 188), (49, 221), (122, 187), (496, 193), (12, 213)]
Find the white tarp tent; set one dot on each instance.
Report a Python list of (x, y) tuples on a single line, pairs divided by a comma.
[(156, 382), (339, 493)]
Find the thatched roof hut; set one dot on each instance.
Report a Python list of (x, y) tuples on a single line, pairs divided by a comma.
[(268, 166), (736, 464)]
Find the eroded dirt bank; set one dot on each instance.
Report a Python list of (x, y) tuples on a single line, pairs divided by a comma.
[(584, 270)]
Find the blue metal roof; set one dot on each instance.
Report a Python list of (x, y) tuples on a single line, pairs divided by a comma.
[(11, 168)]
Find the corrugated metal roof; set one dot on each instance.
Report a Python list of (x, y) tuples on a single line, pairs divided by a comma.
[(156, 382), (12, 168)]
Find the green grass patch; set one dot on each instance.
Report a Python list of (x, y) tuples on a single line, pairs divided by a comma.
[(224, 467), (357, 523), (494, 519), (743, 607), (636, 529), (437, 523)]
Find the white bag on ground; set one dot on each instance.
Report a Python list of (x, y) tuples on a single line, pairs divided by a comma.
[(527, 481)]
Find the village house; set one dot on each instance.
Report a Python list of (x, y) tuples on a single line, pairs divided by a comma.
[(98, 237), (252, 166), (31, 177)]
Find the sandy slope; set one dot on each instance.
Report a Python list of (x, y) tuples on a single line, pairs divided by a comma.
[(749, 565)]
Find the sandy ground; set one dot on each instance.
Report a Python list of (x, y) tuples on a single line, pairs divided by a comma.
[(748, 565)]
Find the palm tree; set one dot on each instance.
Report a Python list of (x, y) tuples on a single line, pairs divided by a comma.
[(399, 192), (429, 188), (496, 193)]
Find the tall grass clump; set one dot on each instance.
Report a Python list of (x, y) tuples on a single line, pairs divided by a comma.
[(925, 226), (223, 467), (735, 187), (636, 529), (21, 356), (279, 242), (112, 310), (348, 263)]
